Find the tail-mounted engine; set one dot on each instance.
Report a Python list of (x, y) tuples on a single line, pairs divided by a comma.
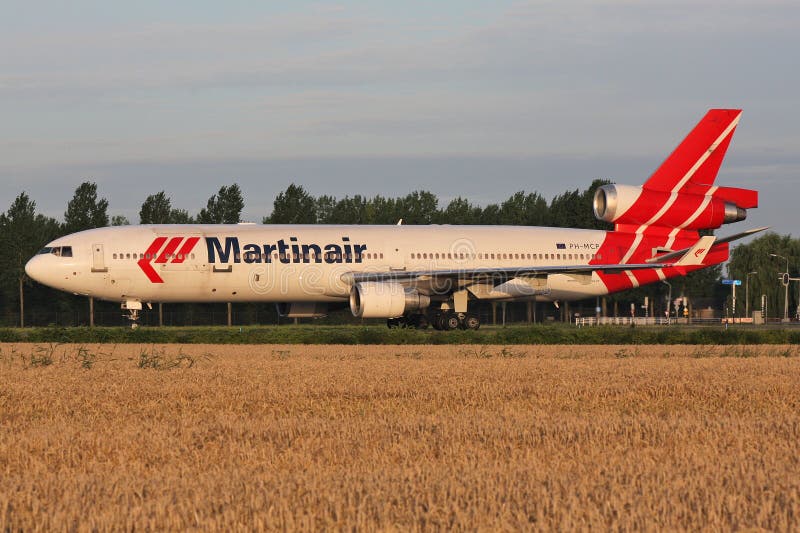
[(624, 204)]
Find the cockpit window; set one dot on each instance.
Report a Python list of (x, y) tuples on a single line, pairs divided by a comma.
[(59, 251)]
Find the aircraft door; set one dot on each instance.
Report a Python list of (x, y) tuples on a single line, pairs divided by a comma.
[(394, 254), (98, 259)]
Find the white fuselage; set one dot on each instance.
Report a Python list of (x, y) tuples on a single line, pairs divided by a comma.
[(301, 263)]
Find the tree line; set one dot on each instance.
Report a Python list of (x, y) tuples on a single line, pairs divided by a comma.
[(24, 231)]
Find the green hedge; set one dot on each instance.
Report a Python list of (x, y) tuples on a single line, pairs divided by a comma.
[(381, 335)]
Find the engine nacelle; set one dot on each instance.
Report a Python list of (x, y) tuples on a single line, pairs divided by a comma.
[(385, 300), (624, 204)]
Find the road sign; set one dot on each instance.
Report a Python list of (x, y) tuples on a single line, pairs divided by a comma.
[(731, 282)]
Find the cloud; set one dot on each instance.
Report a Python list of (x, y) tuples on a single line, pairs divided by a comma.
[(544, 79)]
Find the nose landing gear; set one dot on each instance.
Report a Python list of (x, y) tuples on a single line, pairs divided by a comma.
[(132, 307)]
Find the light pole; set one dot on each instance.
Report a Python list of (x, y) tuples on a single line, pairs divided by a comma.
[(747, 293), (785, 289), (669, 299)]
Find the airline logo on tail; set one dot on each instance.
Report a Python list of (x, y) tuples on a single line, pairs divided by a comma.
[(165, 250)]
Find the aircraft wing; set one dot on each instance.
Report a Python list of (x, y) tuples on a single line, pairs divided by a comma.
[(496, 275)]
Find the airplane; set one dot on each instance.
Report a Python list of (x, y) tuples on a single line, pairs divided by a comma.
[(416, 276)]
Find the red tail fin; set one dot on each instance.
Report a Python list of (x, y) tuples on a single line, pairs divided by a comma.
[(681, 196), (697, 159)]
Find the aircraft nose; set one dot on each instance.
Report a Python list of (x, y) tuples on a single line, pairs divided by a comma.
[(35, 269)]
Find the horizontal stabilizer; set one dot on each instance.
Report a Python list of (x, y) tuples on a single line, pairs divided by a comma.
[(681, 253), (742, 235)]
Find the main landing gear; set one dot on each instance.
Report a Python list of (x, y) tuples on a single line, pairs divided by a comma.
[(438, 319)]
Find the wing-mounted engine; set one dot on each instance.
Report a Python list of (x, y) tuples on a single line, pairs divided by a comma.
[(385, 300), (685, 209)]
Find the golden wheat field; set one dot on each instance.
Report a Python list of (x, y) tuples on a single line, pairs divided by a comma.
[(101, 437)]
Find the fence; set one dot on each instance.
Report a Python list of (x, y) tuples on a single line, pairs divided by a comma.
[(664, 321)]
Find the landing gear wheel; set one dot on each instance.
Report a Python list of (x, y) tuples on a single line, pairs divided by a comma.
[(449, 321), (436, 322), (471, 322)]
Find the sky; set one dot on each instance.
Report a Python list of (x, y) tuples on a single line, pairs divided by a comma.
[(478, 99)]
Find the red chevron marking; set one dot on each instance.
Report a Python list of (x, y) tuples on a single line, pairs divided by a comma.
[(187, 247), (144, 263)]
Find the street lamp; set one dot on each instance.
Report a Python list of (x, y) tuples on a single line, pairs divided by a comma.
[(747, 293), (669, 300), (785, 289)]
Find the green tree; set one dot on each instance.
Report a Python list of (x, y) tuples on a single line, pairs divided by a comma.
[(490, 215), (85, 211), (22, 234), (573, 209), (293, 206), (324, 207), (419, 207), (524, 210), (565, 209), (460, 211), (350, 210), (755, 257), (156, 209), (383, 210), (120, 220), (180, 216), (225, 207)]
